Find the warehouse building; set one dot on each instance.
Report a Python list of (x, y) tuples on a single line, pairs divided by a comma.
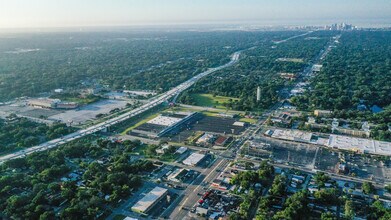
[(150, 200), (164, 124)]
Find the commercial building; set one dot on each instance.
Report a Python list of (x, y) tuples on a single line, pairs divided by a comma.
[(239, 123), (164, 120), (52, 104), (359, 145), (67, 105), (292, 135), (177, 175), (221, 141), (194, 159), (322, 113), (181, 150), (355, 144), (149, 200), (43, 103), (164, 124), (206, 139)]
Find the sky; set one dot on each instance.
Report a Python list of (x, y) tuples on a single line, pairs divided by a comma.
[(81, 13)]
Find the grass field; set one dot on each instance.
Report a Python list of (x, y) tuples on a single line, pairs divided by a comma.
[(248, 120), (208, 100), (144, 120)]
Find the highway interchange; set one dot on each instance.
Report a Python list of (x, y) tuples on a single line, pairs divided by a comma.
[(110, 122)]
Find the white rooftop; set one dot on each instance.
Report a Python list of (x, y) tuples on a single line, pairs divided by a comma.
[(149, 199), (193, 159), (181, 150), (292, 135), (359, 144), (164, 120), (239, 123)]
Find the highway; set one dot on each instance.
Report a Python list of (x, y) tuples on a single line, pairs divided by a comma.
[(110, 122)]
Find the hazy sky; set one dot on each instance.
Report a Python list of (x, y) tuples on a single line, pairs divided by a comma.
[(64, 13)]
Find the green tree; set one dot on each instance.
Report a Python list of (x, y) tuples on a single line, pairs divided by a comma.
[(349, 209), (368, 188)]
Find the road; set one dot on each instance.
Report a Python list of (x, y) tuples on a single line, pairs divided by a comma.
[(291, 38), (110, 122), (191, 194)]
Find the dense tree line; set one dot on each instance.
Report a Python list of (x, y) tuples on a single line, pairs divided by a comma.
[(260, 67), (34, 63), (21, 133), (355, 73)]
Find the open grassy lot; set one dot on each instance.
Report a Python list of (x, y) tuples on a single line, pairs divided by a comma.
[(248, 120), (209, 100), (144, 120)]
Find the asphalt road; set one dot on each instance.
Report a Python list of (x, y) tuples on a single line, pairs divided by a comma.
[(191, 193), (110, 122)]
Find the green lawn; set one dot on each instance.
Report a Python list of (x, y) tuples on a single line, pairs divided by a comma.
[(248, 120), (208, 100), (144, 120)]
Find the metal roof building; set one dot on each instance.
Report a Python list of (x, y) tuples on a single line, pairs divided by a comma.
[(149, 200)]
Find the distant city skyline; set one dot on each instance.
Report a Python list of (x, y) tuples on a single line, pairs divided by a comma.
[(76, 13)]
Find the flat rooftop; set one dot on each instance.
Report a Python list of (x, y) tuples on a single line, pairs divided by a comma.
[(168, 120), (359, 144), (149, 199), (292, 135), (164, 120), (193, 159)]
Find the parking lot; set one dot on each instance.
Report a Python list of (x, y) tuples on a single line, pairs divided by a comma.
[(21, 108), (209, 124), (319, 158), (217, 125), (88, 112), (77, 116)]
